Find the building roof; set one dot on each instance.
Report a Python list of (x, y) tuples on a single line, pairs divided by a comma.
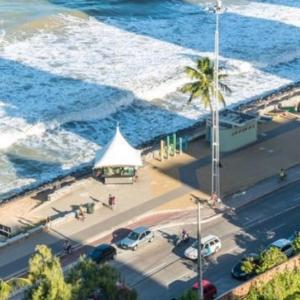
[(232, 118), (118, 153)]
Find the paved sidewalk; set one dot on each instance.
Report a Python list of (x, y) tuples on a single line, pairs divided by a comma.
[(163, 187)]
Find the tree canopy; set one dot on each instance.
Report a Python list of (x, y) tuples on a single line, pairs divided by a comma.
[(46, 277), (269, 259)]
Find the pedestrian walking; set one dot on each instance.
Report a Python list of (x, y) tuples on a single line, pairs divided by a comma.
[(81, 214), (214, 199), (110, 200), (113, 202)]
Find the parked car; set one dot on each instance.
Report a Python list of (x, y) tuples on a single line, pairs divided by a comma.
[(294, 235), (237, 271), (209, 245), (102, 253), (284, 245), (136, 238), (209, 290)]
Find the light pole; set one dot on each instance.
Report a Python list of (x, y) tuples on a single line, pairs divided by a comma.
[(198, 201), (199, 261), (215, 182)]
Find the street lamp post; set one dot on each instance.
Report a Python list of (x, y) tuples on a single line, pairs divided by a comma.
[(199, 261), (215, 185)]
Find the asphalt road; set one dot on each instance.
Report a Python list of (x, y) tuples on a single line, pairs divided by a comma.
[(159, 271)]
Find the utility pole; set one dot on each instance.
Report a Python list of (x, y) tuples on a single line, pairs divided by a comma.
[(215, 183), (199, 261), (198, 202)]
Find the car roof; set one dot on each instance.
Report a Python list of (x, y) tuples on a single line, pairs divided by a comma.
[(102, 247), (252, 254), (205, 283), (140, 229), (208, 238), (281, 243)]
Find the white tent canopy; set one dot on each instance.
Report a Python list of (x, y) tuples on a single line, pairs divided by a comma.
[(118, 153)]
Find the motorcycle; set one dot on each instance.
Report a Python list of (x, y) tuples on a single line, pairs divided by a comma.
[(68, 249), (182, 239)]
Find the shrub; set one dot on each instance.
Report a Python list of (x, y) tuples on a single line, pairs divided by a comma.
[(296, 243), (5, 290), (283, 286), (269, 259), (248, 266), (189, 295), (87, 277)]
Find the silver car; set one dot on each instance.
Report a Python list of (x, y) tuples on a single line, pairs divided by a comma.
[(136, 238)]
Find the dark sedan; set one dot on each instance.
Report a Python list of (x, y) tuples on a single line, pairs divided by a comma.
[(103, 253), (237, 271)]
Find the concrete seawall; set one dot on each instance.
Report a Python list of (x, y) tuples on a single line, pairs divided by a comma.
[(259, 105)]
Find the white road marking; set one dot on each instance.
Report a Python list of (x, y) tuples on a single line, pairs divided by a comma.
[(277, 227)]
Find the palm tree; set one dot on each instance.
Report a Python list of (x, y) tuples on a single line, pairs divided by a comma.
[(203, 86)]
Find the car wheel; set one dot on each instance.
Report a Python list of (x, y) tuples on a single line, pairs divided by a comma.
[(134, 248), (151, 239)]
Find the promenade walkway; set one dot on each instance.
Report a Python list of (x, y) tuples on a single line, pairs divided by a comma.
[(163, 188)]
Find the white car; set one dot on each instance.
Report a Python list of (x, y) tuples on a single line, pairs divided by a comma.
[(209, 245), (284, 245)]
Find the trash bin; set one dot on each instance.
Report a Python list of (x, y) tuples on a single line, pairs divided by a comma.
[(90, 208)]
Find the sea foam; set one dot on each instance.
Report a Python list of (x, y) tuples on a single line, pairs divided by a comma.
[(64, 88)]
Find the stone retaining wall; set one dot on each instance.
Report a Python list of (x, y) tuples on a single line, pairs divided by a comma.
[(243, 289)]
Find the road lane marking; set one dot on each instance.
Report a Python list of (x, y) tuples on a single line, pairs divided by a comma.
[(277, 227)]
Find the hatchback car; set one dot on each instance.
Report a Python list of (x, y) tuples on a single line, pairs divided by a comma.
[(102, 253), (237, 271), (209, 290), (284, 245), (136, 238), (294, 235), (209, 245)]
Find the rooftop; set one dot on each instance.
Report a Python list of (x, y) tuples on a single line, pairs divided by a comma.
[(230, 118)]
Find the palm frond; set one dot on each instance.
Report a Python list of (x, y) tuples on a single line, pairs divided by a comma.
[(224, 87), (191, 72), (221, 98), (203, 87)]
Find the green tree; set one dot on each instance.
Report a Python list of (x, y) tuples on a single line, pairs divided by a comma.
[(189, 295), (269, 259), (296, 243), (5, 290), (46, 277), (283, 286), (87, 278), (7, 287), (203, 85), (295, 296), (248, 266)]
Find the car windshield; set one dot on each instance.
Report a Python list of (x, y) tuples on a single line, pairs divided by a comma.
[(133, 236), (195, 245)]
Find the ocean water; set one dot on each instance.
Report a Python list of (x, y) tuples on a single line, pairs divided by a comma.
[(71, 69)]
